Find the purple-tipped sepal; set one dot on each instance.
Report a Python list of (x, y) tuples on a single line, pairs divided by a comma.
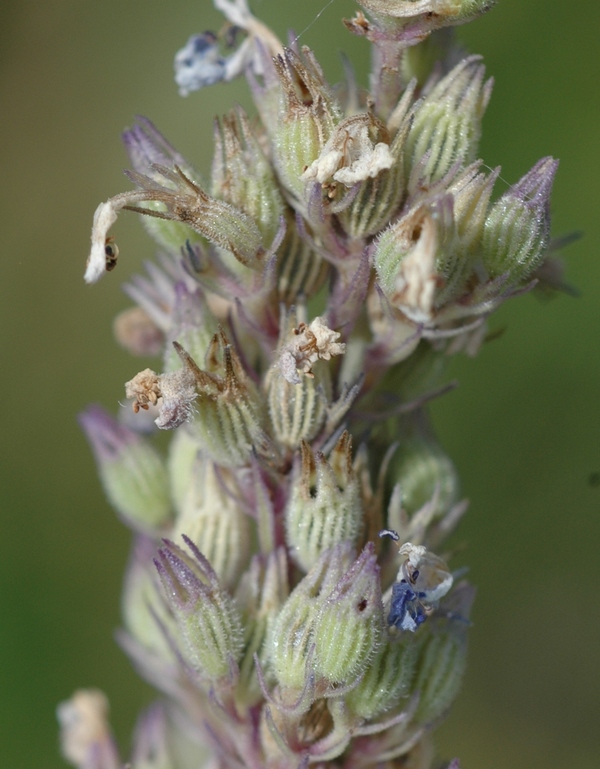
[(133, 474), (517, 228), (206, 615)]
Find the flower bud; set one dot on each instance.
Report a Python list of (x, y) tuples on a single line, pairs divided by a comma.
[(423, 469), (349, 624), (447, 124), (208, 620), (386, 679), (261, 593), (301, 271), (146, 617), (242, 175), (291, 638), (132, 472), (181, 463), (517, 227), (212, 518), (440, 668), (325, 506)]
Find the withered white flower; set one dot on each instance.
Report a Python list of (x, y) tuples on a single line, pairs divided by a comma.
[(310, 344), (86, 738), (416, 280), (350, 155), (174, 393), (104, 218)]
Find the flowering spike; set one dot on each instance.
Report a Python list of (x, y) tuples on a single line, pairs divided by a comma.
[(313, 288), (423, 469)]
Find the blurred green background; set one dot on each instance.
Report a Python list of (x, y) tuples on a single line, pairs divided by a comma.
[(523, 427)]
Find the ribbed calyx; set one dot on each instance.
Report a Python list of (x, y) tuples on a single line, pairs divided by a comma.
[(289, 592)]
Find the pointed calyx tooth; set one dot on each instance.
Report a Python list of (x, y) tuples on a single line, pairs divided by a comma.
[(242, 174), (325, 506)]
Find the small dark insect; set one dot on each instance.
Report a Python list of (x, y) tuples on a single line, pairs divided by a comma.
[(111, 251)]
